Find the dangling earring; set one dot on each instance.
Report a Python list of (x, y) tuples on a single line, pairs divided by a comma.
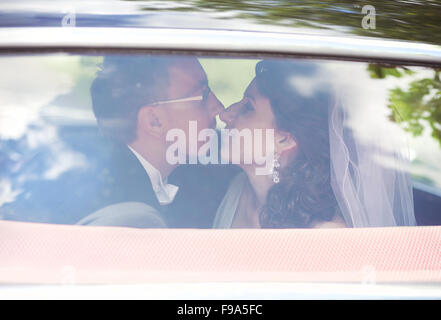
[(276, 164)]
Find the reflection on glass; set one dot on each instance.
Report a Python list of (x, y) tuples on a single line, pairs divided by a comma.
[(416, 20), (55, 157), (417, 108), (43, 98), (408, 20)]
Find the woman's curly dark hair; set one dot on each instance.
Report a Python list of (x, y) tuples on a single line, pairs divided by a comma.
[(304, 194)]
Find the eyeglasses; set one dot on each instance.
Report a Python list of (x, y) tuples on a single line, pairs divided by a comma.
[(195, 98), (203, 97)]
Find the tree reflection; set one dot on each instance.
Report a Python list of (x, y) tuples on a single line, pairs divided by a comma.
[(399, 19), (417, 106)]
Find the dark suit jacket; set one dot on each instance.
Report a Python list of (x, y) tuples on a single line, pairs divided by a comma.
[(113, 175), (201, 190), (122, 178)]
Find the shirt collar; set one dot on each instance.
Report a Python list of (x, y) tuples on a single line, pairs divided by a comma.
[(165, 193)]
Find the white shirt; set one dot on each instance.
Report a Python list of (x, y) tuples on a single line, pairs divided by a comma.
[(165, 193)]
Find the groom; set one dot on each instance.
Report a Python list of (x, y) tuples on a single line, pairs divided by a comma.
[(136, 101)]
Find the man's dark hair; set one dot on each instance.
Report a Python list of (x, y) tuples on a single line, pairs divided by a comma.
[(124, 84)]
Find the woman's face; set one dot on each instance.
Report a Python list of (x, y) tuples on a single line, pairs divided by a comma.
[(252, 112)]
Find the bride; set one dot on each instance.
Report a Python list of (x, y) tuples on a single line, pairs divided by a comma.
[(317, 181)]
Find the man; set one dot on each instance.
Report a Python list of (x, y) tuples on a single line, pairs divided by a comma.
[(136, 101)]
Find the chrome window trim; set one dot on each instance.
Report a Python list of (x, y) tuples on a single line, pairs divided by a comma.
[(218, 41)]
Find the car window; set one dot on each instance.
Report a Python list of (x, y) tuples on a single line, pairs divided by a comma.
[(169, 141)]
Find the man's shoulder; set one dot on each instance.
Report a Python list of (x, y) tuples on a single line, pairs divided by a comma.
[(118, 176), (126, 214)]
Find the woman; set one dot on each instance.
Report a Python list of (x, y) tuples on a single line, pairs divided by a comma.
[(303, 191)]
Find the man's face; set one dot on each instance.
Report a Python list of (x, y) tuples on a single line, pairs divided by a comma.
[(187, 78)]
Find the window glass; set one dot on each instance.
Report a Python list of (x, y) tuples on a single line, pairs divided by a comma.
[(154, 141)]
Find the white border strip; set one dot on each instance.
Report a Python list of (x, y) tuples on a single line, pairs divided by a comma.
[(221, 291)]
